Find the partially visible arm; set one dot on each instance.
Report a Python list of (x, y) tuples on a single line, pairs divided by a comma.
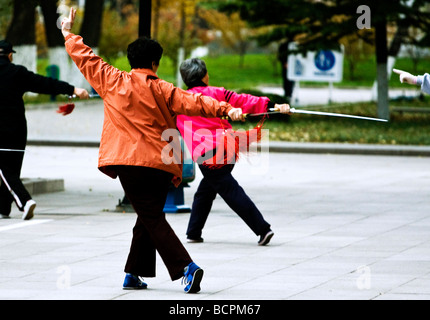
[(39, 84), (424, 82)]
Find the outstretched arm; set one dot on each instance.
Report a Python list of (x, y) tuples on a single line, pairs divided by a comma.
[(196, 104), (423, 81), (253, 104)]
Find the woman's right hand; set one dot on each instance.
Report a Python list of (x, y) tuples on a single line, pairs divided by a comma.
[(67, 23), (406, 76), (236, 114)]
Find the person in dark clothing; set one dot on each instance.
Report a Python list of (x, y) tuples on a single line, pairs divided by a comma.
[(15, 80), (287, 84)]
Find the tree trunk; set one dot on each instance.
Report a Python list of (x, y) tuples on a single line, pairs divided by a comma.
[(156, 18), (22, 30), (145, 10), (22, 33), (381, 60), (181, 49), (91, 26), (50, 15)]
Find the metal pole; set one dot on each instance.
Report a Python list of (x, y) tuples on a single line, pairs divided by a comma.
[(145, 10)]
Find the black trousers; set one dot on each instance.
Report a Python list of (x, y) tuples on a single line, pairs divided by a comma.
[(221, 181), (147, 189), (10, 167)]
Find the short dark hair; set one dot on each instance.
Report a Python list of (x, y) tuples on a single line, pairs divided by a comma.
[(142, 52), (193, 71)]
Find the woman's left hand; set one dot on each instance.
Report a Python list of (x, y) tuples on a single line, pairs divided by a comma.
[(283, 108)]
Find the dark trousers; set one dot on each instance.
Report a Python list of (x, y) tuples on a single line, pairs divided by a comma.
[(287, 84), (147, 189), (220, 181), (10, 167)]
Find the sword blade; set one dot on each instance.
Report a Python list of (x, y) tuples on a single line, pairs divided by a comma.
[(12, 150), (318, 113), (340, 115)]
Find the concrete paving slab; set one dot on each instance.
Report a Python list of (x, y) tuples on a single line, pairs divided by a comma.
[(346, 227)]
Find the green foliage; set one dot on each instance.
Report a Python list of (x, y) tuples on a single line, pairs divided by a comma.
[(321, 24), (117, 34)]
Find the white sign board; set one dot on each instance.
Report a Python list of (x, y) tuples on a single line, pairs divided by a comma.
[(323, 66)]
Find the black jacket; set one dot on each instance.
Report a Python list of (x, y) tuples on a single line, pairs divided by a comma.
[(15, 80)]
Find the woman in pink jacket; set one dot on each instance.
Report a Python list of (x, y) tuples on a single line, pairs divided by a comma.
[(201, 136)]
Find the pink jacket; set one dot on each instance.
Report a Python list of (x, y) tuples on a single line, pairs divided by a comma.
[(201, 134)]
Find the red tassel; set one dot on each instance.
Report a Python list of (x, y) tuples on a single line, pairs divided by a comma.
[(235, 143), (66, 109)]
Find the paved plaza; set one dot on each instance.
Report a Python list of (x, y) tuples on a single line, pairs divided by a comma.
[(346, 227)]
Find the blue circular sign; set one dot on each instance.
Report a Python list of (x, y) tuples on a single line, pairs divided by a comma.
[(324, 60)]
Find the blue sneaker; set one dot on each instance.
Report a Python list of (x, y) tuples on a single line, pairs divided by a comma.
[(193, 275), (132, 282)]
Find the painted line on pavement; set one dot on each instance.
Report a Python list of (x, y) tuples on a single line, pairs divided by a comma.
[(24, 224)]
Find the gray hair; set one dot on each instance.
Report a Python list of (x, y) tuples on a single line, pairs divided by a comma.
[(193, 71)]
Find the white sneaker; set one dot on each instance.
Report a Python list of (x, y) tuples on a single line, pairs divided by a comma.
[(265, 238), (29, 210)]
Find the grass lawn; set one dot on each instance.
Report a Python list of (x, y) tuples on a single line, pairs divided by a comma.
[(224, 71)]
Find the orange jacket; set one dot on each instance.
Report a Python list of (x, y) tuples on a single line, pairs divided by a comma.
[(138, 108)]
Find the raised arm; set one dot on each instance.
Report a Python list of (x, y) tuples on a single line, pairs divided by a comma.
[(98, 73)]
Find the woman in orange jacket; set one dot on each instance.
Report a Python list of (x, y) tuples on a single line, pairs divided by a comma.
[(138, 108)]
